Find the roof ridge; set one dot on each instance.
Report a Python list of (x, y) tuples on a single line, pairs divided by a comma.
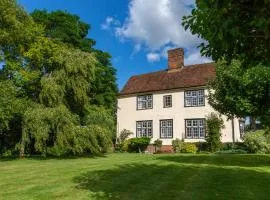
[(165, 70), (197, 65)]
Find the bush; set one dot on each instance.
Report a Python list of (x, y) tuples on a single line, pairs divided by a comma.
[(158, 145), (138, 144), (232, 146), (189, 148), (232, 151), (201, 146), (257, 142), (214, 125), (121, 140), (177, 145)]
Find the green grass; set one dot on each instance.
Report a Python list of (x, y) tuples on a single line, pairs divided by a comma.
[(137, 176)]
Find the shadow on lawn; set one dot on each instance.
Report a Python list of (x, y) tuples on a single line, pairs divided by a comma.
[(172, 181), (221, 160)]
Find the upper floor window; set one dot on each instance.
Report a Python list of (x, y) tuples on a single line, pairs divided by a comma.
[(167, 101), (144, 102), (194, 98), (166, 128), (144, 128), (195, 128)]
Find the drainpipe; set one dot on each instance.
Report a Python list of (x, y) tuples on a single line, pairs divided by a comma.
[(233, 133)]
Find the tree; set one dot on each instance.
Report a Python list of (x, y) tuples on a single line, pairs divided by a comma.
[(214, 124), (69, 29), (239, 92), (236, 30), (47, 84), (232, 29)]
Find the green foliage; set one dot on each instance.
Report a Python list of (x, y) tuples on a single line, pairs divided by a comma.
[(158, 145), (69, 29), (257, 142), (240, 92), (47, 81), (138, 144), (237, 32), (177, 145), (64, 27), (214, 124), (201, 146), (233, 146), (232, 151), (121, 140), (232, 29), (188, 148)]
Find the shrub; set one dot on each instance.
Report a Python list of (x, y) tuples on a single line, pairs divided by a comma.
[(214, 125), (158, 145), (138, 144), (232, 146), (232, 151), (189, 148), (201, 146), (257, 142), (120, 141), (177, 145)]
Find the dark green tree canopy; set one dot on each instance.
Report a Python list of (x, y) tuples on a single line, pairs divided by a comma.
[(65, 27), (233, 29)]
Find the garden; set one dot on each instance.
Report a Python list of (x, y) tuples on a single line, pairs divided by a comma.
[(137, 176)]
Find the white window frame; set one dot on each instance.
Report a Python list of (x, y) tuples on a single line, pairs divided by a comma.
[(144, 102), (194, 98), (144, 128), (195, 128), (167, 101), (166, 128)]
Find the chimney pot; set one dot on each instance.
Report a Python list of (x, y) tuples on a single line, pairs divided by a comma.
[(175, 59)]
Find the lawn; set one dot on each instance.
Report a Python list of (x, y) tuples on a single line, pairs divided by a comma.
[(137, 176)]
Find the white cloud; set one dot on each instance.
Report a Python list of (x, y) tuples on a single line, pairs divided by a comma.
[(110, 21), (157, 23), (153, 57), (195, 58), (155, 26)]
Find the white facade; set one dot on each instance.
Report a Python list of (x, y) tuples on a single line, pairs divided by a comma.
[(128, 115)]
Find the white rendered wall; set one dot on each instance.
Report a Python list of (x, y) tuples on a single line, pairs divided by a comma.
[(127, 115)]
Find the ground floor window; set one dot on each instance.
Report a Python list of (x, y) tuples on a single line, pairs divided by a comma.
[(166, 128), (144, 128), (195, 128)]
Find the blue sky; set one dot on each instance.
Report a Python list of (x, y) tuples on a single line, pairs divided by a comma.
[(137, 33)]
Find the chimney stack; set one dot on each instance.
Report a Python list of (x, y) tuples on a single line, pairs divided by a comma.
[(175, 59)]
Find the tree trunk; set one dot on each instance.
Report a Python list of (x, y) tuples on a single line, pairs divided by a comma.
[(253, 123), (21, 151)]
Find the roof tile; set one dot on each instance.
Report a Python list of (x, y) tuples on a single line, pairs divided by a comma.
[(188, 76)]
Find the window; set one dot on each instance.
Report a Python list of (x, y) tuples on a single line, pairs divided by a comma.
[(144, 102), (167, 101), (194, 98), (166, 128), (144, 128), (195, 128)]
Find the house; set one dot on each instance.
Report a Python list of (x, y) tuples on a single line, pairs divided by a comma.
[(171, 103)]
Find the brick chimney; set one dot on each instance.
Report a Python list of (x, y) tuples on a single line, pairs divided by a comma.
[(175, 59)]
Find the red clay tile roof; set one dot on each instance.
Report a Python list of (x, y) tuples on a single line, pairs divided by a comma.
[(189, 76)]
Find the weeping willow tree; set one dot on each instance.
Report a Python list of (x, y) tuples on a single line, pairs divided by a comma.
[(54, 79)]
